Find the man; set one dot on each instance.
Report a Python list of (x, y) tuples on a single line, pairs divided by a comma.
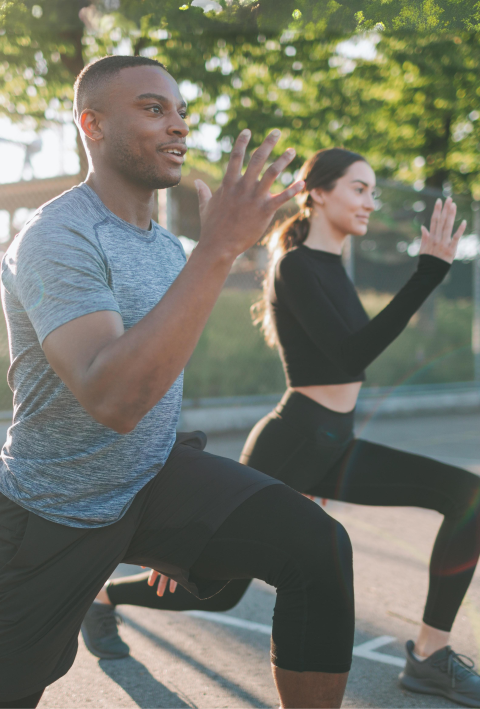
[(103, 314)]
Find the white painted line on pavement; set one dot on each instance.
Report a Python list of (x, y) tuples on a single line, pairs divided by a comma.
[(230, 620), (365, 650)]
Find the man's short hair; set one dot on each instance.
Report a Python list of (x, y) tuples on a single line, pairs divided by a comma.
[(93, 79)]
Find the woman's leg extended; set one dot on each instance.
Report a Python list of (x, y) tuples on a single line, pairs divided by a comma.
[(291, 543), (371, 474), (135, 591)]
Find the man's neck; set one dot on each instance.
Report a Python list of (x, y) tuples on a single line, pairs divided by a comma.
[(131, 203)]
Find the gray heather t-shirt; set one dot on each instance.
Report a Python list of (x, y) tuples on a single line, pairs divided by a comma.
[(75, 257)]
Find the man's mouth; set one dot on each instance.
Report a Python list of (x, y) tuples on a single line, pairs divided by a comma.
[(175, 153)]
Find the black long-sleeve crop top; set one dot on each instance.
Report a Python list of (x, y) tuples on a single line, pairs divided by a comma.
[(324, 334)]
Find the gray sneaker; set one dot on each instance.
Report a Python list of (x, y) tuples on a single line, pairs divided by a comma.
[(100, 632), (444, 673)]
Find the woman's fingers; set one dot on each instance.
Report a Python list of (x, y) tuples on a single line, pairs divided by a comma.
[(173, 586), (460, 231), (437, 211), (449, 221)]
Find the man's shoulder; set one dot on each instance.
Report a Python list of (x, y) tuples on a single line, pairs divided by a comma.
[(72, 209), (64, 218)]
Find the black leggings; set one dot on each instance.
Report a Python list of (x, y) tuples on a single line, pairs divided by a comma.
[(312, 449)]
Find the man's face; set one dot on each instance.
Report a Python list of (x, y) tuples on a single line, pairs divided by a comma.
[(143, 126)]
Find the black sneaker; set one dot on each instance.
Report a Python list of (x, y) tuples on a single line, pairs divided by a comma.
[(100, 632), (444, 673)]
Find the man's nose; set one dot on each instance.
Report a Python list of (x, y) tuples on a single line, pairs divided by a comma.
[(179, 128)]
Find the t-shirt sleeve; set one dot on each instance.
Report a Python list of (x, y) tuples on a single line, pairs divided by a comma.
[(300, 289), (58, 275)]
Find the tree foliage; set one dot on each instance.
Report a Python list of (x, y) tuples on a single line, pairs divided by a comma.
[(411, 107)]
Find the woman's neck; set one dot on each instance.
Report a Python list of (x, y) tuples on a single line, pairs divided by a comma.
[(323, 236)]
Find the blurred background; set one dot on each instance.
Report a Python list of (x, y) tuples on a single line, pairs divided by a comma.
[(397, 82)]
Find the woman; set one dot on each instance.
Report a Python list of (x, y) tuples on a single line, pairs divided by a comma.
[(314, 316)]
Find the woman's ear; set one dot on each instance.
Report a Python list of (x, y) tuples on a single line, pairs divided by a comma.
[(317, 196)]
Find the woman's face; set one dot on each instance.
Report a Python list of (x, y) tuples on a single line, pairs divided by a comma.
[(348, 206)]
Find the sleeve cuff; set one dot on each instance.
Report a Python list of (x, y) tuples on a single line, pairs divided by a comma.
[(433, 266)]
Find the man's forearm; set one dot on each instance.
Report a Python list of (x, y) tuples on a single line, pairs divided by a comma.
[(133, 372)]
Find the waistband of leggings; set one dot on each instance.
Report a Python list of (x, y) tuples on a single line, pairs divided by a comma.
[(307, 413)]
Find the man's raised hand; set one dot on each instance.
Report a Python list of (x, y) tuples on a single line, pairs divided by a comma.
[(236, 216)]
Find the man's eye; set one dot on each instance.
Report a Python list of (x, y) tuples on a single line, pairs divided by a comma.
[(155, 109)]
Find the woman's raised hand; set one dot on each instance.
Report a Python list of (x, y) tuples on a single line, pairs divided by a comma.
[(439, 241)]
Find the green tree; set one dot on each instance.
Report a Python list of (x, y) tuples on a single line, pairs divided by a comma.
[(412, 109)]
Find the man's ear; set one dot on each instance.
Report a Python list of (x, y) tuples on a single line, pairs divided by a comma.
[(90, 124), (318, 196)]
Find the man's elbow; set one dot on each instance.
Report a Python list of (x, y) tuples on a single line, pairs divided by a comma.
[(115, 420)]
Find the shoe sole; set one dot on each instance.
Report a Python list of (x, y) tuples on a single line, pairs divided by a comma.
[(423, 687), (99, 653)]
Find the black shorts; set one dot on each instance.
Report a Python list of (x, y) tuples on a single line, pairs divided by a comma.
[(50, 573)]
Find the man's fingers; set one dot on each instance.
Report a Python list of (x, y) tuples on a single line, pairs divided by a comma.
[(153, 577), (162, 584), (260, 156), (204, 193), (276, 169), (237, 156), (173, 586), (279, 199)]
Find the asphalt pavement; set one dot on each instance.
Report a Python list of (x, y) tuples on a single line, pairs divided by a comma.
[(205, 661)]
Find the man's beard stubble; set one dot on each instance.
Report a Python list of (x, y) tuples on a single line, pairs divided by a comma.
[(138, 170)]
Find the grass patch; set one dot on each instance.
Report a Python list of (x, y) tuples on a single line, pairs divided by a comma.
[(231, 357)]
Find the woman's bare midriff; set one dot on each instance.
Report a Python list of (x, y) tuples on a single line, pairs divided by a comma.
[(337, 397)]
